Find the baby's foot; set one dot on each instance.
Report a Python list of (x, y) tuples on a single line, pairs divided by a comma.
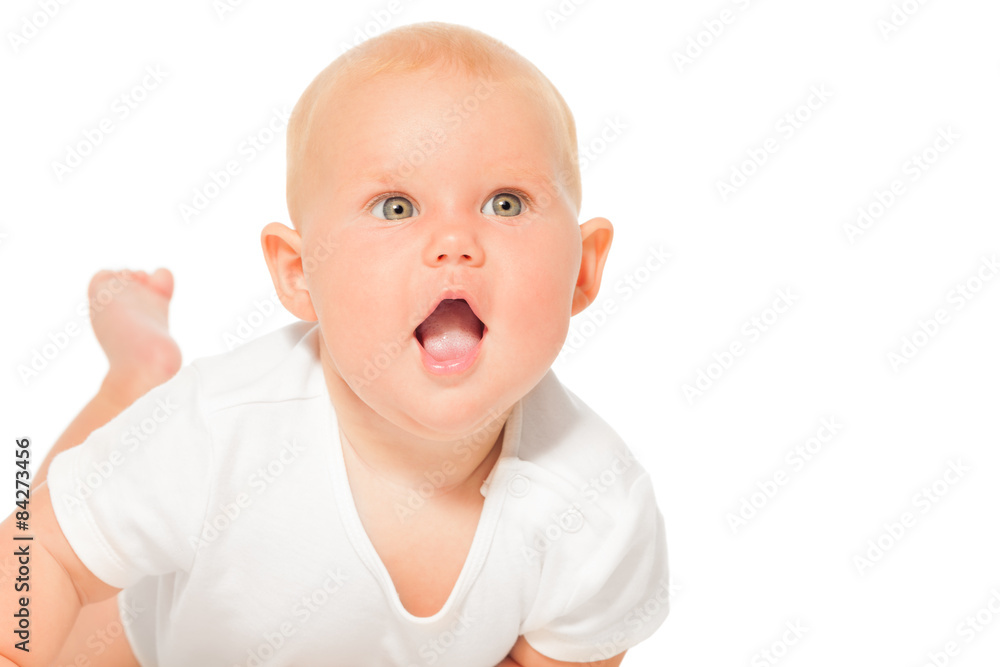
[(128, 311)]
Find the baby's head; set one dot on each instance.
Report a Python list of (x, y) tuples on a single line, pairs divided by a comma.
[(434, 163)]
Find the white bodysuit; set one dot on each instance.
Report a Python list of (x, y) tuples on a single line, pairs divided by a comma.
[(220, 503)]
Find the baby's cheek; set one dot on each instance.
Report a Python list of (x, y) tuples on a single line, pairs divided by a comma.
[(549, 316)]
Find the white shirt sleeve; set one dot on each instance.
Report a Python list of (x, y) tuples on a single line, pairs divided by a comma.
[(131, 499), (602, 593)]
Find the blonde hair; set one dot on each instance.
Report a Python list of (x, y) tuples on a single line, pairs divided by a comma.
[(422, 46)]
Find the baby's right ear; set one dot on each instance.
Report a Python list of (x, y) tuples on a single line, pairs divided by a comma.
[(283, 253)]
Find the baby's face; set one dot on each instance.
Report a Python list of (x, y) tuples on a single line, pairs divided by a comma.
[(426, 186)]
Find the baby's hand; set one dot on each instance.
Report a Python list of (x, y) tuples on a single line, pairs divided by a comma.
[(522, 655)]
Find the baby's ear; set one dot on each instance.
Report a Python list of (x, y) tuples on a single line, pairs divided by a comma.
[(597, 234), (283, 253)]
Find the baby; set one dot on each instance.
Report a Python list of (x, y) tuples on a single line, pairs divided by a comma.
[(400, 478)]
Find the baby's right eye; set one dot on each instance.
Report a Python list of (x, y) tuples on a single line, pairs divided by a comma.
[(393, 208)]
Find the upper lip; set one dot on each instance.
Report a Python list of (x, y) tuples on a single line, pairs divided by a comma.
[(454, 294)]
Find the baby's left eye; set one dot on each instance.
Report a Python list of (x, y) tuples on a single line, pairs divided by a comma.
[(505, 203)]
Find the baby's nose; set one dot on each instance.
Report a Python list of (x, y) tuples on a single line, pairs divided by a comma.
[(453, 244)]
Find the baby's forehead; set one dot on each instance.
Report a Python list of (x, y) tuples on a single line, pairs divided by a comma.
[(467, 87), (449, 53), (457, 85), (427, 114), (438, 97)]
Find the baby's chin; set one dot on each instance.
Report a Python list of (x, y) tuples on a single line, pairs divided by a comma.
[(443, 414)]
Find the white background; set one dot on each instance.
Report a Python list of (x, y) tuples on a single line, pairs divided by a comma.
[(681, 129)]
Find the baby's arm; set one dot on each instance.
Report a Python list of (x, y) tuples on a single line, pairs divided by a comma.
[(593, 581), (522, 655), (60, 585)]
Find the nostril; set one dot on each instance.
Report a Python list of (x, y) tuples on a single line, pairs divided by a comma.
[(464, 257)]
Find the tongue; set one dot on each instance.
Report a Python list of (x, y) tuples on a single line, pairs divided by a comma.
[(451, 331)]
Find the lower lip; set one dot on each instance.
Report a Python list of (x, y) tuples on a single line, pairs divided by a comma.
[(451, 366)]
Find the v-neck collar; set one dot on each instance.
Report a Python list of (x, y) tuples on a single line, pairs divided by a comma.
[(494, 495)]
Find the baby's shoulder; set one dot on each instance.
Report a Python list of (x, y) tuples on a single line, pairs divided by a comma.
[(566, 446), (275, 367)]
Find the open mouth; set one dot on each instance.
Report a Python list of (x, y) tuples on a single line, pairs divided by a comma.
[(451, 332)]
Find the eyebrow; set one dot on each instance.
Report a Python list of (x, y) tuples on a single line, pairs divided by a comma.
[(390, 177), (541, 177)]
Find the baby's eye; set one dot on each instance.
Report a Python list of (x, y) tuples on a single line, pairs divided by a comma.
[(393, 208), (505, 204)]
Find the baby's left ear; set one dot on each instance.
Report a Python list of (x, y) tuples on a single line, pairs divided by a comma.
[(597, 234)]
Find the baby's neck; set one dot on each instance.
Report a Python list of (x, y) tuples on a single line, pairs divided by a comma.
[(402, 464), (425, 478)]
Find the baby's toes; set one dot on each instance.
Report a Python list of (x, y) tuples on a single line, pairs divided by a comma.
[(162, 281)]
